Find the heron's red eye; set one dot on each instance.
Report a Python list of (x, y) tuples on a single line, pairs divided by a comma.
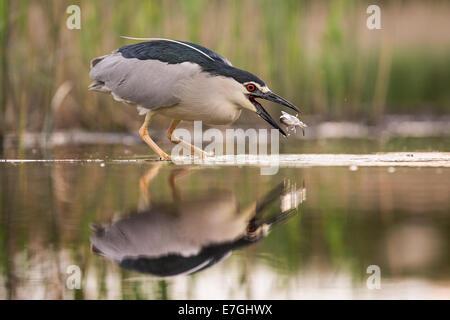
[(251, 87)]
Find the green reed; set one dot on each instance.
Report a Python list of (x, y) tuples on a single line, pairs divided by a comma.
[(312, 52)]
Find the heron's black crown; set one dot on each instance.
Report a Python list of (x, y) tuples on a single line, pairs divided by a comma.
[(174, 53)]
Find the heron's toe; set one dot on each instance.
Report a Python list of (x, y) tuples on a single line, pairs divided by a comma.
[(165, 158)]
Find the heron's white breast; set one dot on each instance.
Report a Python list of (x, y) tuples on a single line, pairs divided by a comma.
[(211, 99)]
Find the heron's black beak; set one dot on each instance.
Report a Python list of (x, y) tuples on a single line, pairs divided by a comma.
[(274, 98), (277, 99), (265, 115)]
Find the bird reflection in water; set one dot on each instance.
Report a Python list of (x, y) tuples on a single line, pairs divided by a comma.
[(188, 236)]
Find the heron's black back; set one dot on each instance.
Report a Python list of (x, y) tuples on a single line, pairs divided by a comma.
[(175, 53)]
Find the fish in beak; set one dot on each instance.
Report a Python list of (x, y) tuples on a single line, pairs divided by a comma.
[(270, 96)]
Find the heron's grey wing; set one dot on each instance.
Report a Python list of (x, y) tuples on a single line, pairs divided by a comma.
[(149, 83), (178, 52)]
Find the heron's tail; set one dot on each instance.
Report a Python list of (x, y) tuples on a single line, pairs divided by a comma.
[(97, 60), (99, 86)]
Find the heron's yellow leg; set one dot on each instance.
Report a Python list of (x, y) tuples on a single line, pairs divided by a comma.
[(143, 132), (176, 140)]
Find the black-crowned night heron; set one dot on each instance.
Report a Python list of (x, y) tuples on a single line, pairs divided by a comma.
[(182, 81)]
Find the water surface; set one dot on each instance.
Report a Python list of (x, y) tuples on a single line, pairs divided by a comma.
[(153, 230)]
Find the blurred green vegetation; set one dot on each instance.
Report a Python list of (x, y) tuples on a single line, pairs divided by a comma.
[(318, 54)]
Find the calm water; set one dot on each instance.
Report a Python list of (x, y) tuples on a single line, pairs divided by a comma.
[(154, 230)]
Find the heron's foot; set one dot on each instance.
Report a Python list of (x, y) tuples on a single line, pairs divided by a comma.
[(164, 157), (193, 149)]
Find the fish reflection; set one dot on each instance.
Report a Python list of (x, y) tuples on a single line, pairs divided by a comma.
[(186, 236)]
